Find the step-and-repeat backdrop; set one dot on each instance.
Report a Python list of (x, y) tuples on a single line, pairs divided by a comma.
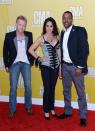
[(36, 11)]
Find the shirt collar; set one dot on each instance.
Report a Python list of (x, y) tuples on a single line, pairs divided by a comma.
[(68, 29)]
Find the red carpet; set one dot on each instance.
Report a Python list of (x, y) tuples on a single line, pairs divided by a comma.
[(36, 122)]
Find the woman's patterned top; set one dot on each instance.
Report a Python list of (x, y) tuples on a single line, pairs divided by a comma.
[(50, 52)]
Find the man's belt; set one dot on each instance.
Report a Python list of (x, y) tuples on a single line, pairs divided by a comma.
[(67, 63)]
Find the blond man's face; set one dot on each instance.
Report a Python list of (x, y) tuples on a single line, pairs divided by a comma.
[(20, 25)]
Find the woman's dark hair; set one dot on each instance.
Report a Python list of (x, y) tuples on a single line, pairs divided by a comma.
[(55, 28)]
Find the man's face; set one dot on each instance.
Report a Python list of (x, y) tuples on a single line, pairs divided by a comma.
[(67, 20), (20, 25)]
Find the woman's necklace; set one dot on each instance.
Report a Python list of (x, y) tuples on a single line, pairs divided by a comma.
[(50, 38)]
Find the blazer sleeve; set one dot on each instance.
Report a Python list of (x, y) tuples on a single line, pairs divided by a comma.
[(6, 51), (83, 46)]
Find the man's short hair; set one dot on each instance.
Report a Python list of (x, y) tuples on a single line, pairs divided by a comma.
[(69, 12), (21, 17)]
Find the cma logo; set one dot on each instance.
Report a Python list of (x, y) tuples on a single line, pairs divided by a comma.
[(10, 28), (1, 64), (6, 1), (77, 12), (91, 72), (39, 17)]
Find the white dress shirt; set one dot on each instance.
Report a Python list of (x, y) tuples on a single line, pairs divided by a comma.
[(21, 52), (66, 56)]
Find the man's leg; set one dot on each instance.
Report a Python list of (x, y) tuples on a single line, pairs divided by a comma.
[(79, 84), (14, 75), (26, 73), (67, 83)]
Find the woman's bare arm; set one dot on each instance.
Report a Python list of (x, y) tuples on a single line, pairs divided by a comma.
[(34, 46)]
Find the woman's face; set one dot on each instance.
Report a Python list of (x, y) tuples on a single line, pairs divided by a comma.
[(49, 27)]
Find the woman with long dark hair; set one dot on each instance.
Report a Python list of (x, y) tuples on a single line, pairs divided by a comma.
[(49, 42)]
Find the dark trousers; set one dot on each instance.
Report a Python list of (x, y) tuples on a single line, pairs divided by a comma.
[(49, 77)]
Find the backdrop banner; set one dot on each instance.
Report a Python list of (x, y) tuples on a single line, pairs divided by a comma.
[(36, 11)]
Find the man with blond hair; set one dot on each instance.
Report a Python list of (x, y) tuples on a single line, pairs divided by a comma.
[(18, 60)]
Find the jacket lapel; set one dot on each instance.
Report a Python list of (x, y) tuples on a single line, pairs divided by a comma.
[(71, 33), (26, 42), (61, 38), (15, 42)]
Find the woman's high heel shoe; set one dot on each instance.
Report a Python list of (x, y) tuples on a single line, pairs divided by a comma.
[(46, 116), (53, 113)]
